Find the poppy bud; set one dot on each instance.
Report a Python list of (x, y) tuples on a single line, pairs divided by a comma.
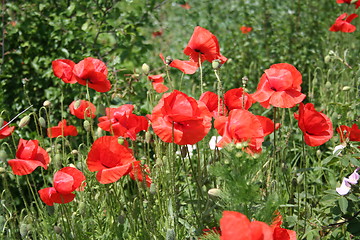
[(3, 156), (77, 104), (327, 59), (99, 132), (87, 125), (1, 122), (145, 68), (74, 152), (57, 229), (2, 170), (346, 88), (57, 160), (153, 189), (120, 140), (216, 64), (214, 192), (148, 137), (24, 121), (328, 84), (168, 60), (24, 229), (42, 122), (318, 153), (47, 103), (48, 150)]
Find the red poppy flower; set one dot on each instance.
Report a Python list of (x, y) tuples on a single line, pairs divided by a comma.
[(357, 3), (6, 131), (140, 173), (243, 126), (82, 109), (111, 159), (245, 29), (351, 133), (29, 156), (279, 86), (204, 45), (343, 23), (281, 233), (212, 101), (93, 72), (316, 126), (63, 69), (187, 67), (180, 119), (122, 122), (157, 82), (238, 99), (185, 6), (236, 226), (65, 181), (157, 33), (62, 130)]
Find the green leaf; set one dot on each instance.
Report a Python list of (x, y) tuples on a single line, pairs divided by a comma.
[(343, 204)]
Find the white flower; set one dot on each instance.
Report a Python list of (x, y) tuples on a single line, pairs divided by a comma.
[(338, 149)]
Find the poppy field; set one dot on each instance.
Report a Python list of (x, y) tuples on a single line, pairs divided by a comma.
[(127, 122)]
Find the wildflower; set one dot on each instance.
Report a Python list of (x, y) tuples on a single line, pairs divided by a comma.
[(245, 30), (238, 99), (349, 133), (212, 101), (29, 156), (109, 159), (203, 45), (280, 87), (316, 126), (157, 33), (347, 182), (185, 6), (5, 131), (140, 173), (187, 67), (356, 2), (92, 72), (65, 182), (62, 130), (122, 122), (343, 23), (157, 82), (243, 126), (180, 119), (338, 149), (63, 69), (82, 109)]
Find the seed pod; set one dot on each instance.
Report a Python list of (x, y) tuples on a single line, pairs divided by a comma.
[(24, 121), (42, 122)]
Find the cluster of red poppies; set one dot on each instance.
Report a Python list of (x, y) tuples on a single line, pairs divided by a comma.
[(343, 22)]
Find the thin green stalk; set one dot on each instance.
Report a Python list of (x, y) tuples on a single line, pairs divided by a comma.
[(201, 76)]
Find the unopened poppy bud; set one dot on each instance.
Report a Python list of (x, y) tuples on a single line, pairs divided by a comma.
[(24, 121), (74, 152), (57, 160), (346, 88), (148, 137), (214, 192), (47, 103), (42, 122), (2, 170), (1, 122), (57, 229), (99, 132), (152, 189), (145, 69), (168, 60), (87, 125), (318, 153), (77, 104), (328, 84), (3, 156), (327, 59), (24, 229), (216, 64), (120, 140), (48, 149)]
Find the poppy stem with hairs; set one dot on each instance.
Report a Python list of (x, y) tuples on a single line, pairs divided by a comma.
[(219, 91), (16, 117), (201, 75)]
